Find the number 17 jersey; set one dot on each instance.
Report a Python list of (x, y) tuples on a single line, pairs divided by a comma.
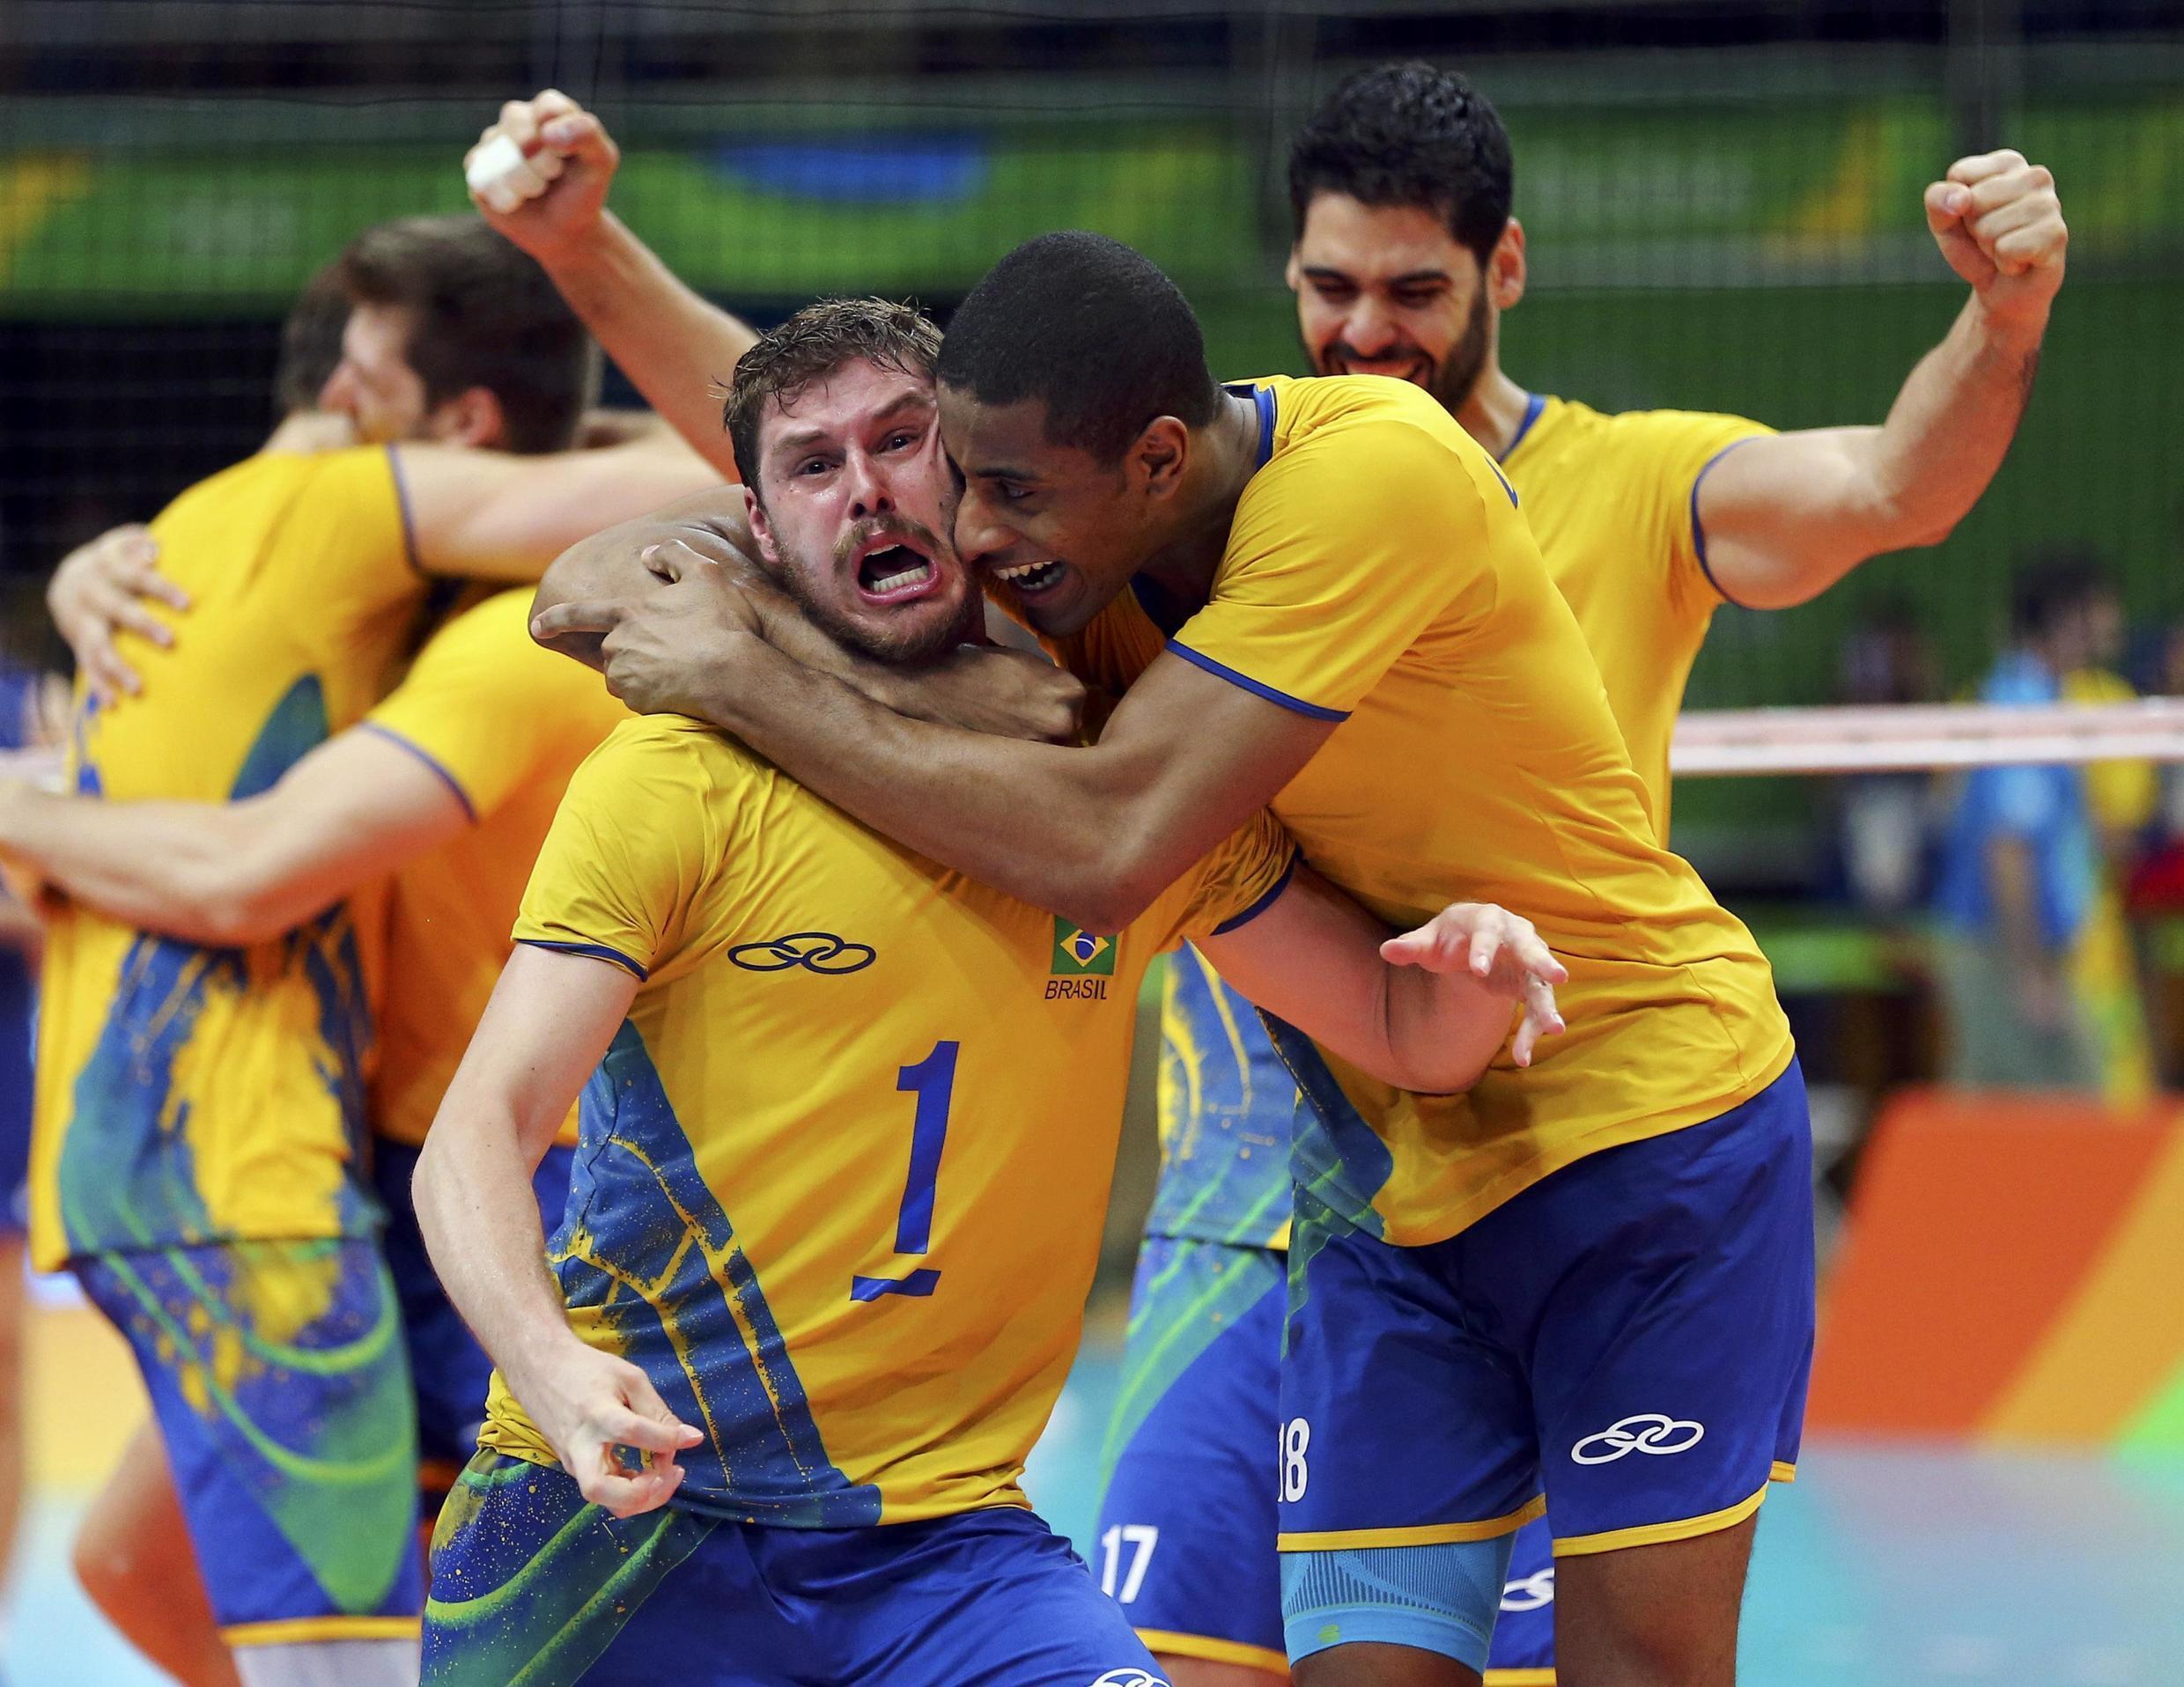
[(842, 1174)]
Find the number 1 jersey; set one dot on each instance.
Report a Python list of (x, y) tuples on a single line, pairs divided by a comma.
[(842, 1174)]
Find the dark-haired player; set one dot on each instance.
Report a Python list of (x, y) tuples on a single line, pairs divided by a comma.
[(1406, 254), (1321, 593), (845, 1154)]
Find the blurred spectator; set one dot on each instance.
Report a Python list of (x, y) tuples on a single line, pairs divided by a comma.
[(1887, 819), (2034, 969)]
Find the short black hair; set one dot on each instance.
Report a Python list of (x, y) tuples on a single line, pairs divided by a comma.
[(1091, 329), (483, 315), (810, 346), (311, 342), (2056, 582), (1408, 134)]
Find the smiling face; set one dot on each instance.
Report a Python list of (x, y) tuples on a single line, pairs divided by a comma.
[(1387, 290), (852, 509), (1054, 532)]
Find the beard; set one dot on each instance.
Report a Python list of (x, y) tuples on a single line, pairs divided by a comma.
[(916, 633), (1450, 380)]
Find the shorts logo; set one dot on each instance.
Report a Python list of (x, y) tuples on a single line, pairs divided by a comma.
[(813, 951), (1129, 1678), (1531, 1592), (1645, 1432)]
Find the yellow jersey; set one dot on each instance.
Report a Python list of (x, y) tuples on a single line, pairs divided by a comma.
[(1614, 502), (844, 1171), (505, 724), (1379, 574), (188, 1094)]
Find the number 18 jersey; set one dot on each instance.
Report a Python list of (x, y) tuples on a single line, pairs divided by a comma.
[(842, 1174)]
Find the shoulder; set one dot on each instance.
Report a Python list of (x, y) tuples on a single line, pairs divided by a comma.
[(670, 754), (1362, 446)]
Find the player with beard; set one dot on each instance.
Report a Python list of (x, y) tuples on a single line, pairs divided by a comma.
[(845, 1155), (1406, 254)]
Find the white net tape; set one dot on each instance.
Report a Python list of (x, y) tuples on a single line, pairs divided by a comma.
[(1908, 736)]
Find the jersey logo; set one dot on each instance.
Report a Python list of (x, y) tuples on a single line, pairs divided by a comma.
[(1648, 1431), (1079, 953), (1130, 1678), (813, 951)]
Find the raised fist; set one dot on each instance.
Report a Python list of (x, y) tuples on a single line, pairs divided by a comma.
[(1998, 222)]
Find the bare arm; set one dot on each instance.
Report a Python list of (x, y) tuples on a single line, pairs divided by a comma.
[(676, 347), (493, 515), (356, 807), (701, 550), (1426, 1011), (1093, 834), (1786, 517), (550, 1019)]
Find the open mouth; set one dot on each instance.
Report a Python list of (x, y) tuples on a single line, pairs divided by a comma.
[(1030, 579), (895, 572), (1414, 370)]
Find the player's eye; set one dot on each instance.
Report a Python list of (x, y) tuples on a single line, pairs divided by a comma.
[(1413, 300), (901, 441), (1335, 292), (814, 466)]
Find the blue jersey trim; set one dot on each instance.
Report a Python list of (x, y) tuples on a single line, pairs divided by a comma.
[(401, 503), (1265, 900), (597, 951), (1533, 404), (429, 760), (1264, 399), (1223, 671), (918, 1284), (1697, 529)]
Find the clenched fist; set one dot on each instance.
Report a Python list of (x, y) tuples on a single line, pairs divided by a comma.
[(552, 204), (1998, 222)]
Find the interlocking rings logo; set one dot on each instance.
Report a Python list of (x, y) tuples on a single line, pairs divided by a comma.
[(813, 951), (1129, 1678), (1645, 1432), (1531, 1592)]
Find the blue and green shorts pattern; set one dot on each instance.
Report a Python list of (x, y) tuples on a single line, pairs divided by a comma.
[(1185, 1540), (532, 1584), (280, 1384)]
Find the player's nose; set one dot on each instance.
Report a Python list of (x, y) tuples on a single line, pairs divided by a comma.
[(868, 491), (982, 538), (1369, 330)]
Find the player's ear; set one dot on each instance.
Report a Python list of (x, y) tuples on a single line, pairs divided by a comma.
[(1505, 267), (1293, 272), (762, 530), (1156, 457), (471, 417)]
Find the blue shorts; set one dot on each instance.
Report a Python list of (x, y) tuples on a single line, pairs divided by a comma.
[(1187, 1532), (1631, 1336), (278, 1379), (531, 1583), (448, 1367), (1524, 1633), (1185, 1540)]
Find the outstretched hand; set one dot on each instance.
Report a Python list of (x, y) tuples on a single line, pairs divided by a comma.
[(1999, 223), (103, 588), (1499, 951)]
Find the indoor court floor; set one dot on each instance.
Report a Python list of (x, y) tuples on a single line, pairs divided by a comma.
[(1885, 1566)]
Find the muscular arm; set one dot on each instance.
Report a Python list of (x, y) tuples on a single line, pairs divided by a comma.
[(1787, 516), (494, 515), (696, 560), (355, 808), (1094, 834), (550, 1019), (676, 347), (1425, 1012)]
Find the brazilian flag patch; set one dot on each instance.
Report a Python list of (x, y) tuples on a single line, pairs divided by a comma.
[(1079, 953)]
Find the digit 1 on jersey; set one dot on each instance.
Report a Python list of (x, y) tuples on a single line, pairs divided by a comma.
[(932, 1081), (1144, 1537)]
